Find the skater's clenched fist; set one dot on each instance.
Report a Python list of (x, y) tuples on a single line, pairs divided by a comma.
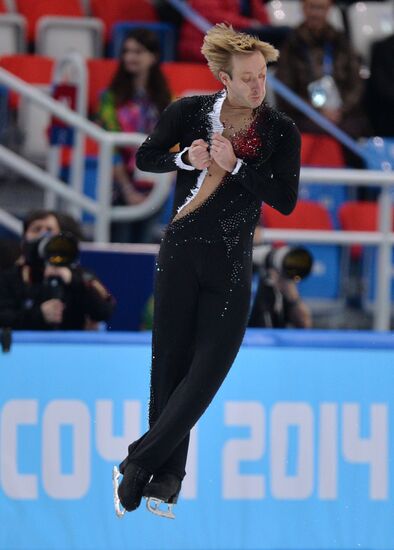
[(222, 152), (198, 154)]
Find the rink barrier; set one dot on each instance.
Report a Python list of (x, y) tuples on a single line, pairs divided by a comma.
[(294, 453)]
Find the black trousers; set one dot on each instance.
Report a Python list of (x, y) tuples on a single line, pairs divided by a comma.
[(202, 295)]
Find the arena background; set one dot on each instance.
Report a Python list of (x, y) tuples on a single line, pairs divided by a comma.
[(294, 453)]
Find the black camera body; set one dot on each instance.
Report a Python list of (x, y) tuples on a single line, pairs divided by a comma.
[(57, 250), (293, 263)]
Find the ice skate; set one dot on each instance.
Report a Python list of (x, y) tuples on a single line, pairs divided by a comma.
[(119, 510), (161, 494), (128, 493)]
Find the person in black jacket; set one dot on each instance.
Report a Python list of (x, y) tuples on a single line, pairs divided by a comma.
[(235, 152), (35, 295), (381, 87)]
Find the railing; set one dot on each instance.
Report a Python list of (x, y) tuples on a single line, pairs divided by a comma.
[(104, 213), (102, 209)]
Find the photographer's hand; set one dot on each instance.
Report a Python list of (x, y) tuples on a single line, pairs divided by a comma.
[(63, 272), (52, 311)]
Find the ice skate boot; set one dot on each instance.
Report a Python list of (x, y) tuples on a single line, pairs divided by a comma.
[(128, 494), (163, 489)]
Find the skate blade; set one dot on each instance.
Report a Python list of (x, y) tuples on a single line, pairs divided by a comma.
[(119, 510), (153, 505)]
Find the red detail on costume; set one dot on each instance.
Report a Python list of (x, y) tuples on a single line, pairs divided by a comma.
[(246, 143)]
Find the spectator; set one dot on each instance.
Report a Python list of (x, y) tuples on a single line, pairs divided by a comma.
[(318, 58), (133, 102), (37, 295), (218, 11), (277, 302), (381, 87), (9, 252)]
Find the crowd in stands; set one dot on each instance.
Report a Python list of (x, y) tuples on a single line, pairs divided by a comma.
[(318, 61)]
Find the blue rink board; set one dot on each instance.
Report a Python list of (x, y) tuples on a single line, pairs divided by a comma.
[(295, 452)]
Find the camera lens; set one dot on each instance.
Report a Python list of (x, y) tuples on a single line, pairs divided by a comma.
[(297, 263), (60, 250)]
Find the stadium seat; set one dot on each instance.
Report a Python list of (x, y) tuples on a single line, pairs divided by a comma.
[(289, 12), (187, 79), (114, 11), (58, 35), (3, 7), (39, 8), (164, 31), (306, 215), (100, 73), (368, 22), (363, 216), (324, 282), (12, 34), (358, 216), (34, 69), (323, 151)]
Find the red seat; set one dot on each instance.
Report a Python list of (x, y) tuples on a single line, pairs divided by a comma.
[(100, 73), (306, 215), (33, 10), (321, 150), (3, 7), (113, 11), (187, 78), (359, 216), (34, 69)]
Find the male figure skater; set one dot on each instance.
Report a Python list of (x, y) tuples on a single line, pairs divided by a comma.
[(235, 152)]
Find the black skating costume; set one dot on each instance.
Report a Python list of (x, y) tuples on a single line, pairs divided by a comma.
[(204, 267)]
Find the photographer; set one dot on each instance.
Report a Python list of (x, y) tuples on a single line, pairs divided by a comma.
[(277, 302), (46, 289)]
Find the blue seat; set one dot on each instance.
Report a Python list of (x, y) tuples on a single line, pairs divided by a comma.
[(165, 32), (380, 155), (369, 275), (324, 281)]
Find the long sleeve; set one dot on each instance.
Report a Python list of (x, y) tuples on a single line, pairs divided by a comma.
[(95, 299), (382, 70), (13, 312), (275, 181), (154, 154)]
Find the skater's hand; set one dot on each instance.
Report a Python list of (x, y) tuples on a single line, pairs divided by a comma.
[(222, 152), (198, 154)]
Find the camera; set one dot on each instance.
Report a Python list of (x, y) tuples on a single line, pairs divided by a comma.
[(58, 250), (290, 262)]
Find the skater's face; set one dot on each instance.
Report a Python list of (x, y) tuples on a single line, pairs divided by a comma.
[(246, 84)]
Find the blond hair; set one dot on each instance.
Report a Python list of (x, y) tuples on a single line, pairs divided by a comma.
[(222, 41)]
